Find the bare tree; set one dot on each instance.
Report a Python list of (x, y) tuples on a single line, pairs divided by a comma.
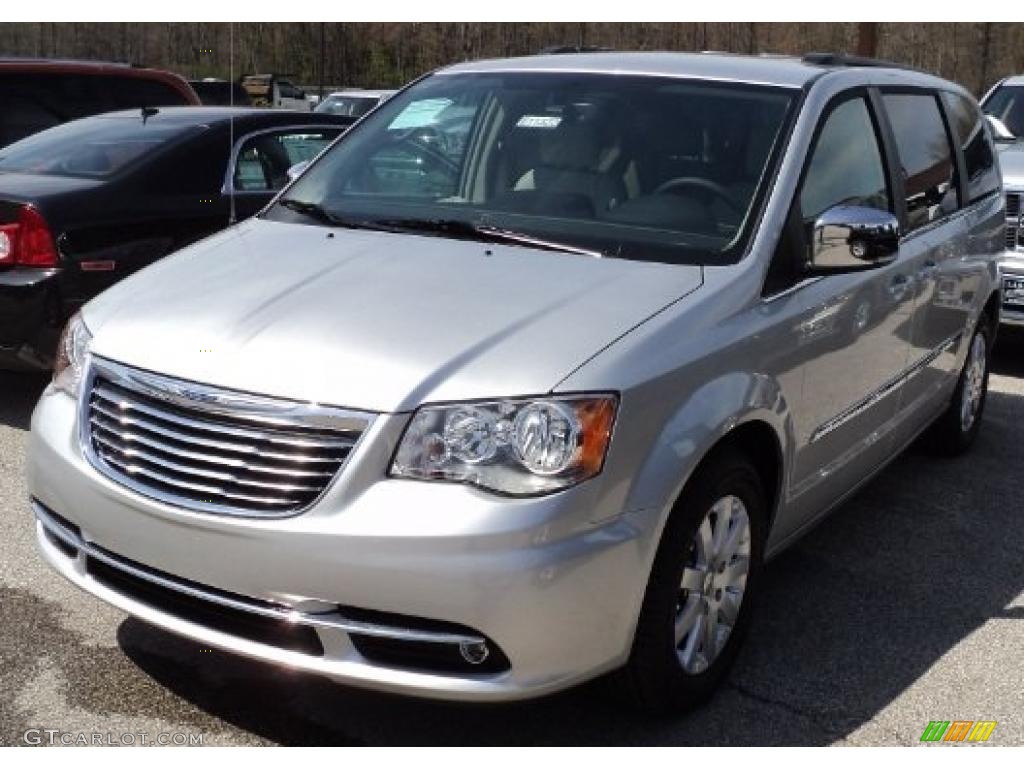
[(867, 38)]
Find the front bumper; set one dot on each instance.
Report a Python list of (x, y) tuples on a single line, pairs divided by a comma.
[(555, 594), (1011, 266)]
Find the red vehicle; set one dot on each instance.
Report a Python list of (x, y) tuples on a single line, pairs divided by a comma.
[(40, 93)]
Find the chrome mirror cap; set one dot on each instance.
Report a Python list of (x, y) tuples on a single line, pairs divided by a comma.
[(999, 129), (853, 237)]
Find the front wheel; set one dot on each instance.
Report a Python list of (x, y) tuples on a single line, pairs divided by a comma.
[(697, 604), (956, 429)]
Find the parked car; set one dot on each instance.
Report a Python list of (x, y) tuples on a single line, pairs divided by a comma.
[(275, 92), (482, 417), (37, 94), (220, 93), (89, 202), (354, 103), (1005, 104)]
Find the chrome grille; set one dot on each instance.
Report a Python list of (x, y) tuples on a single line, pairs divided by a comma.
[(1012, 218), (212, 450)]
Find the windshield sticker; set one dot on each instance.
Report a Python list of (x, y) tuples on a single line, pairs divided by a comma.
[(539, 121), (419, 114)]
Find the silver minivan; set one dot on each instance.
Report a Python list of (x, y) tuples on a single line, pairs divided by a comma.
[(523, 380)]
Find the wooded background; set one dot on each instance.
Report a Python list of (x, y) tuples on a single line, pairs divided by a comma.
[(390, 54)]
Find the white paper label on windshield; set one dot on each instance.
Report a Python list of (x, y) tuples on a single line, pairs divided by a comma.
[(419, 114), (539, 121)]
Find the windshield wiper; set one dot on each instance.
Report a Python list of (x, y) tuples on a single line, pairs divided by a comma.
[(467, 230), (318, 212), (313, 210), (458, 228)]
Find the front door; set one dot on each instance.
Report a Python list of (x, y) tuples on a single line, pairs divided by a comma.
[(854, 334)]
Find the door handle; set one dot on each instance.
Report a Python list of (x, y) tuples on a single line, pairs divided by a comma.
[(928, 270), (898, 287)]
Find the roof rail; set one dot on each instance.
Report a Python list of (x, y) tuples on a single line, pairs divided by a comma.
[(847, 60), (59, 60), (556, 49)]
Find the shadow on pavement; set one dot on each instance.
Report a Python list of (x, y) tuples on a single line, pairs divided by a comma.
[(18, 395), (1008, 359)]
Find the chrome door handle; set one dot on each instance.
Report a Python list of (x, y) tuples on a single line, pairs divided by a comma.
[(898, 287)]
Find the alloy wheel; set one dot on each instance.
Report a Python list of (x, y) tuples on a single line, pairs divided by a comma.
[(974, 383), (713, 584)]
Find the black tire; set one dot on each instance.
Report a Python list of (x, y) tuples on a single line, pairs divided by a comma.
[(948, 436), (654, 676)]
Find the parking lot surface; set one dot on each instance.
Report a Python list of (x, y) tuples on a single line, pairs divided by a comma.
[(905, 606)]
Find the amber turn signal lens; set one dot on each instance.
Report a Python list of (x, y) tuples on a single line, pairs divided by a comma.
[(596, 418)]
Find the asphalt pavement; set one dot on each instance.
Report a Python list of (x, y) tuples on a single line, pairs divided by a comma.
[(905, 606)]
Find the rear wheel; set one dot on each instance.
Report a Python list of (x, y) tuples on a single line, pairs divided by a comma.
[(706, 572), (955, 431)]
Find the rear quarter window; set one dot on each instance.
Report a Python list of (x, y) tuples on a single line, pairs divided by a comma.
[(925, 156), (979, 155)]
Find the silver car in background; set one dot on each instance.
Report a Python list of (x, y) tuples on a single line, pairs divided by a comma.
[(523, 380), (1005, 103), (354, 102)]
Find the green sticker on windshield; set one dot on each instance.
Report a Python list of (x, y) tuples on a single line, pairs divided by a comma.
[(419, 114)]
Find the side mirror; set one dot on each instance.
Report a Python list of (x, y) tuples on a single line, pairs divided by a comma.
[(999, 129), (296, 170), (849, 238)]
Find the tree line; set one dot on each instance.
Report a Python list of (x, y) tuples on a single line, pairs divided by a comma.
[(390, 54)]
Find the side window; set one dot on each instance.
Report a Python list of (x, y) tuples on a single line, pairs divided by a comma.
[(846, 164), (22, 115), (128, 92), (925, 157), (287, 90), (971, 134), (264, 160)]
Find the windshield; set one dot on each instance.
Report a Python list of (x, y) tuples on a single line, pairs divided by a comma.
[(1006, 104), (350, 106), (94, 148), (639, 167)]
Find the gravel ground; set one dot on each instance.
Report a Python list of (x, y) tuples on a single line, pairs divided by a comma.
[(903, 607)]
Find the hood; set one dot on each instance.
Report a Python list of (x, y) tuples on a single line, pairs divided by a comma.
[(1011, 162), (372, 320)]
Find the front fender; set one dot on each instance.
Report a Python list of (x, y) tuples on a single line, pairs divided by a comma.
[(697, 424)]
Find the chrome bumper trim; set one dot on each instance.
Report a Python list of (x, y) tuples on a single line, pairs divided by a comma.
[(334, 621)]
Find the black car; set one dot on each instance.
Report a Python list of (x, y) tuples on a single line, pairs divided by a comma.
[(86, 203)]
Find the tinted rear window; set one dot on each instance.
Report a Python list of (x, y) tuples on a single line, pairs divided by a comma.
[(93, 149), (926, 158), (979, 156), (34, 102)]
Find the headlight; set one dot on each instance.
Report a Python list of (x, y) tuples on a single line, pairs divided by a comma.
[(72, 352), (516, 447)]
